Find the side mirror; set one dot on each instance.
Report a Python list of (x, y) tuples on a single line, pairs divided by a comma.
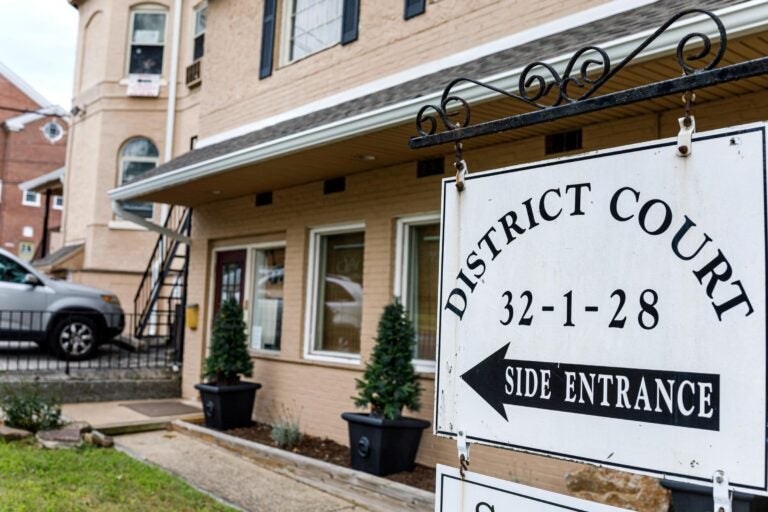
[(32, 280)]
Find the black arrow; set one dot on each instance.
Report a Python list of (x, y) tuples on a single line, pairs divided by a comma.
[(594, 390), (487, 379)]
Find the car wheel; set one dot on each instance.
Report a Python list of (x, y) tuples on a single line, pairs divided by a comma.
[(74, 338)]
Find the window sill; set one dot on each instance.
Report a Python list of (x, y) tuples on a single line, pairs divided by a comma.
[(285, 62), (125, 81), (424, 366), (333, 357), (262, 352), (125, 225)]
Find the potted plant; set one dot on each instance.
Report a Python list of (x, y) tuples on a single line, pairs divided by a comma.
[(385, 442), (228, 402)]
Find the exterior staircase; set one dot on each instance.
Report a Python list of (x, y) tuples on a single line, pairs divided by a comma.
[(161, 299)]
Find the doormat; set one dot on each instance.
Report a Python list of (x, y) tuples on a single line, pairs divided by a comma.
[(158, 409)]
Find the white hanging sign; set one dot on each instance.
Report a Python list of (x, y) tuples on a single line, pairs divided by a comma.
[(611, 308), (480, 493), (143, 85)]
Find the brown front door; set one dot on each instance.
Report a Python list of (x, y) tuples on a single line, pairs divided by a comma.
[(230, 277)]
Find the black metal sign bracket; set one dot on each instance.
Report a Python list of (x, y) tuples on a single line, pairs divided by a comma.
[(588, 69)]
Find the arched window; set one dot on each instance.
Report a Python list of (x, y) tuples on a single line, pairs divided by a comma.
[(137, 156)]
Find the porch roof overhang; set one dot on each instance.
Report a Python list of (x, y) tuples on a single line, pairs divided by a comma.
[(336, 140), (53, 181)]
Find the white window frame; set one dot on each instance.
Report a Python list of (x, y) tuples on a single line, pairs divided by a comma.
[(400, 285), (286, 31), (195, 34), (310, 318), (146, 9), (58, 137), (58, 202), (36, 203), (121, 158), (250, 265)]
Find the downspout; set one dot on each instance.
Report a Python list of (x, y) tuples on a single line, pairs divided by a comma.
[(170, 118), (170, 121)]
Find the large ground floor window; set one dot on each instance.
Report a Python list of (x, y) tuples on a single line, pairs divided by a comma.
[(416, 283), (266, 314), (335, 291)]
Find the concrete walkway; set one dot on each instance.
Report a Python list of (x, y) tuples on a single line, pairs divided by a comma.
[(228, 476)]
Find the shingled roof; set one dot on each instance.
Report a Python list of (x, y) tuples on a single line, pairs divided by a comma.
[(607, 29)]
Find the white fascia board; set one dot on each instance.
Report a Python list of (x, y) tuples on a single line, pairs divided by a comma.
[(44, 180), (17, 123), (505, 43), (738, 19)]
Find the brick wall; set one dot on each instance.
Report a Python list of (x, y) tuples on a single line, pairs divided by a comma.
[(24, 155)]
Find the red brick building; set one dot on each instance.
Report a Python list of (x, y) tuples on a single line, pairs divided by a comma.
[(33, 142)]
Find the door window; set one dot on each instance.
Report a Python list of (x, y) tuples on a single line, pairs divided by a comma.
[(230, 269)]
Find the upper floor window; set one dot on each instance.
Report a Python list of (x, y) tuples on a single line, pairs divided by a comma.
[(58, 202), (314, 26), (137, 156), (199, 44), (30, 198), (147, 40)]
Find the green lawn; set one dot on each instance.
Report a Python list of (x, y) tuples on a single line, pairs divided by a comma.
[(90, 479)]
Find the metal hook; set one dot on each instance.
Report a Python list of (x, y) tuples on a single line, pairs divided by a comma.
[(463, 465), (687, 126), (461, 166)]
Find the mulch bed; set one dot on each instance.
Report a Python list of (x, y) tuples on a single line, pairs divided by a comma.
[(330, 451)]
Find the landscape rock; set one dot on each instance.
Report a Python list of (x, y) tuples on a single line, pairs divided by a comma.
[(625, 490), (81, 426), (70, 436), (100, 439), (13, 434)]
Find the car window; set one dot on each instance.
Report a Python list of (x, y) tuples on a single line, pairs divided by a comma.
[(10, 271)]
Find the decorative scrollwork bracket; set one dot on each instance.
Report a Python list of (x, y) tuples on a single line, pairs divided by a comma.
[(545, 88)]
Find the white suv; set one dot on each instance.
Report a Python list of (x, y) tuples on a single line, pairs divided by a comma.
[(70, 319)]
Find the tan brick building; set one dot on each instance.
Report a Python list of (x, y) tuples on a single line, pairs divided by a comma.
[(33, 142), (308, 205)]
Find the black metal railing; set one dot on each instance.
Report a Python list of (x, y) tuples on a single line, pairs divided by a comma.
[(43, 341), (163, 287)]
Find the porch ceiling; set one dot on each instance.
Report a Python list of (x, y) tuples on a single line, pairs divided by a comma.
[(390, 146)]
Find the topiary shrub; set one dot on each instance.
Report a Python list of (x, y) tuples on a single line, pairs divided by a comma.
[(28, 408), (390, 382), (229, 357)]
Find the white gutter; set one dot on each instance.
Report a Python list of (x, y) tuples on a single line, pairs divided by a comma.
[(170, 121), (739, 19)]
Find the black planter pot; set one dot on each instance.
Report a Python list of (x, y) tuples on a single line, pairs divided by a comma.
[(227, 407), (698, 498), (382, 447)]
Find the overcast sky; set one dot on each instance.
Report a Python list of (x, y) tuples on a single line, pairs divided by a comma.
[(37, 41)]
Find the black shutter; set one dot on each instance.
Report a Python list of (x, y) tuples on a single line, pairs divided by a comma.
[(267, 38), (414, 8), (349, 21)]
